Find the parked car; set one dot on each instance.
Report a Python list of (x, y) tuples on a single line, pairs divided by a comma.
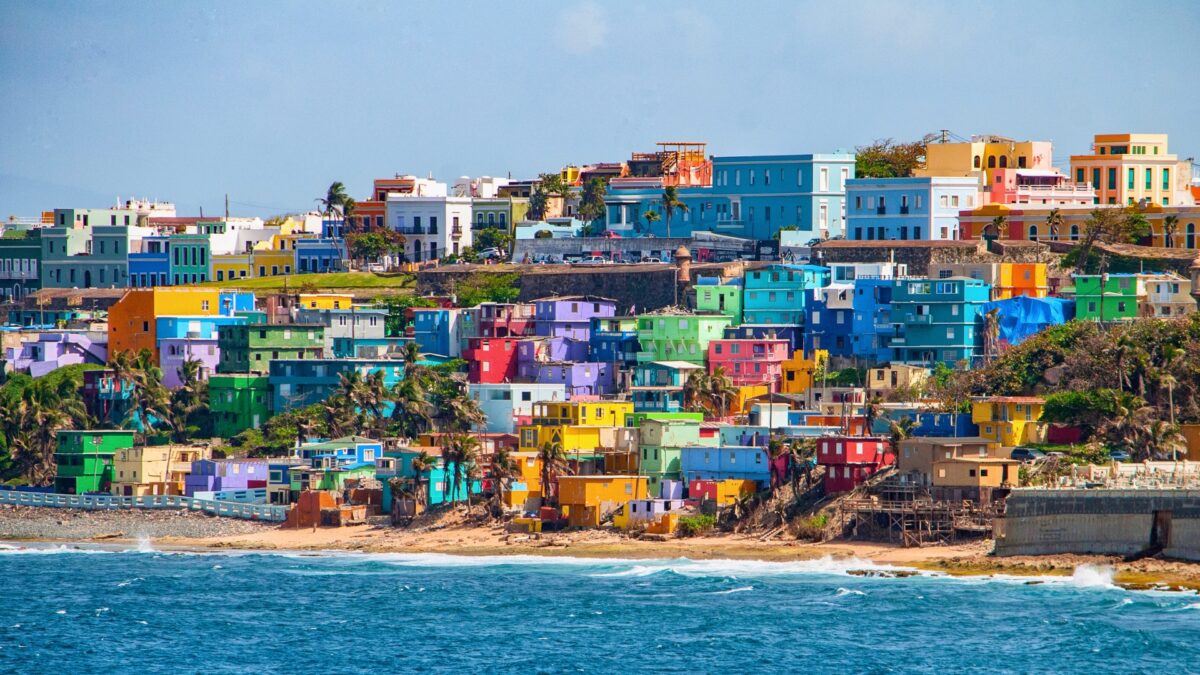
[(1119, 456), (1027, 454), (649, 259), (593, 260), (491, 254)]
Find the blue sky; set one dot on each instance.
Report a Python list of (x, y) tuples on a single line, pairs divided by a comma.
[(271, 101)]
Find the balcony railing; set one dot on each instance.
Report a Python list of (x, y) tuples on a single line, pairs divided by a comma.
[(881, 210)]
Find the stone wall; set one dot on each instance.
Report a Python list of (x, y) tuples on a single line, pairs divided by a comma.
[(920, 255), (1108, 522)]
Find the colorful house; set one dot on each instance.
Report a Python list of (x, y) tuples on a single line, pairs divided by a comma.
[(872, 329), (919, 456), (749, 362), (42, 353), (570, 316), (775, 294), (673, 336), (794, 334), (588, 500), (231, 266), (1007, 279), (614, 340), (582, 413), (922, 208), (84, 460), (938, 319), (133, 320), (714, 298), (1009, 420), (798, 371), (252, 348), (238, 401), (491, 360), (154, 469), (1167, 295), (851, 460), (580, 379), (830, 325), (217, 475), (508, 404), (884, 380), (726, 462), (1111, 297), (661, 448), (296, 383), (658, 385), (438, 331), (20, 264), (1129, 168), (106, 398)]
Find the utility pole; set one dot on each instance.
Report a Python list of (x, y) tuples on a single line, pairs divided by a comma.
[(226, 206)]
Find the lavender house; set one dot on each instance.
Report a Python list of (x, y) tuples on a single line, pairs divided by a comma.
[(212, 475), (548, 349), (579, 379), (570, 316), (172, 352), (45, 352)]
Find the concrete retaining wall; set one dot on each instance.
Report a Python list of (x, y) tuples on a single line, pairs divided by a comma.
[(1110, 522)]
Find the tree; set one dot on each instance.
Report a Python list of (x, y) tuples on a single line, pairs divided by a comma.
[(502, 470), (888, 159), (538, 203), (187, 411), (996, 228), (871, 410), (493, 237), (1054, 223), (900, 430), (671, 203), (334, 200), (374, 244), (554, 463), (397, 307), (31, 425), (488, 287), (991, 334), (694, 388), (720, 392), (591, 205), (460, 451), (1170, 227), (651, 217), (1111, 226), (422, 464)]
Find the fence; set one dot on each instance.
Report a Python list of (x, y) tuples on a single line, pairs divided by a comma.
[(267, 512)]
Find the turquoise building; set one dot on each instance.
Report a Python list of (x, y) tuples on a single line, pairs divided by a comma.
[(775, 294), (752, 196), (20, 262), (87, 248), (658, 385), (937, 319)]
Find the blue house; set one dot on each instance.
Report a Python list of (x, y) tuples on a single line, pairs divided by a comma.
[(345, 451), (233, 302), (751, 196), (319, 255), (658, 385), (151, 266), (614, 340), (201, 327), (726, 462), (775, 294), (938, 319), (830, 323), (296, 383), (438, 331), (924, 208), (871, 328)]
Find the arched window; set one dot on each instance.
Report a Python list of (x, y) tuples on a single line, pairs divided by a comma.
[(1191, 235), (1033, 233), (491, 219), (503, 219), (479, 218), (1074, 232), (1003, 161), (992, 162), (976, 161)]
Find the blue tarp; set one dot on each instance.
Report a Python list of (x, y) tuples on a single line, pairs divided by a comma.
[(1023, 316)]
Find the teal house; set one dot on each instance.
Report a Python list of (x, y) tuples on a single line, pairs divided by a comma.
[(20, 262), (436, 481), (775, 294), (658, 385), (87, 248), (937, 320)]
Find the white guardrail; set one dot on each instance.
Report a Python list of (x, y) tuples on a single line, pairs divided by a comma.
[(267, 512)]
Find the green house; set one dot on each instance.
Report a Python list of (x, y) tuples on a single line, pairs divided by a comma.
[(661, 449), (636, 419), (251, 348), (237, 402), (1122, 294), (85, 459), (672, 336), (726, 300), (20, 260)]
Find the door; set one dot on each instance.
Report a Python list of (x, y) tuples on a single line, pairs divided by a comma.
[(1160, 534)]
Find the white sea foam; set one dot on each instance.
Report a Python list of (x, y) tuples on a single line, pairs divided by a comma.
[(731, 591), (843, 592), (1092, 576), (144, 545)]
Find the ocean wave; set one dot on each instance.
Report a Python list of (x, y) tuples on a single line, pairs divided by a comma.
[(843, 592), (731, 591), (6, 549)]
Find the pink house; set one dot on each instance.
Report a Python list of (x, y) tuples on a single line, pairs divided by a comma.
[(749, 361), (1036, 186)]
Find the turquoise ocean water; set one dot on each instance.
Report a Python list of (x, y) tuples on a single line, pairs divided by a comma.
[(146, 611)]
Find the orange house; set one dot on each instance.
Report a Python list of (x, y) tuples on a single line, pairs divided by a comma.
[(132, 321)]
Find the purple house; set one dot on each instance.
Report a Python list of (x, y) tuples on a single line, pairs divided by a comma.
[(172, 352), (45, 352), (531, 350), (570, 316), (211, 475), (579, 379)]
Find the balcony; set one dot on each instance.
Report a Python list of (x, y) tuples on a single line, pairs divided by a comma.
[(881, 210), (904, 210), (414, 230), (925, 319)]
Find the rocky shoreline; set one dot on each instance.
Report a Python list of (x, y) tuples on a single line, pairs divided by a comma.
[(33, 523)]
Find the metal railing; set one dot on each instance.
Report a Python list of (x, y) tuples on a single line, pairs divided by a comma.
[(267, 512)]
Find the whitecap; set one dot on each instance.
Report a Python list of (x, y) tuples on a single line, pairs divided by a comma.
[(61, 611), (843, 592), (731, 591)]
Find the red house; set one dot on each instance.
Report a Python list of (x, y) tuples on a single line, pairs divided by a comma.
[(851, 460), (491, 360), (749, 361)]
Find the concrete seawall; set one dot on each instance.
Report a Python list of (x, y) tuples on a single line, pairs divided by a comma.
[(1111, 522)]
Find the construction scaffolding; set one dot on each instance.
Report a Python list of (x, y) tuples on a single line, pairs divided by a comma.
[(908, 514)]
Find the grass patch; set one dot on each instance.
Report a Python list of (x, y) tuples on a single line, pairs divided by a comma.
[(693, 525), (321, 282)]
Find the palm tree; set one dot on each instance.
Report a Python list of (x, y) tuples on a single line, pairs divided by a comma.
[(335, 198), (554, 462), (188, 401), (422, 464), (898, 431), (694, 389), (671, 202), (720, 392), (1161, 440), (1170, 226), (36, 419), (1054, 223), (871, 410), (412, 412), (458, 411), (776, 448), (460, 451), (651, 217), (994, 229), (991, 334), (503, 469), (802, 453)]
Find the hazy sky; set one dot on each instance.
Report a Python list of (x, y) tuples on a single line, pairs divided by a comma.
[(271, 101)]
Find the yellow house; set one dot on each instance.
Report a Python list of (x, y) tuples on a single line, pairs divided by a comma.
[(976, 472), (745, 395), (798, 371), (228, 267), (1127, 168), (1009, 420), (884, 380), (326, 300), (586, 500), (527, 483), (154, 470), (976, 157), (582, 413)]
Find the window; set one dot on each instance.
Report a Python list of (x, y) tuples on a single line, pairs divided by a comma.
[(1112, 179), (752, 176), (1166, 176), (824, 179)]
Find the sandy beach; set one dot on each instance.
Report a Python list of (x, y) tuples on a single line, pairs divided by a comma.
[(201, 532)]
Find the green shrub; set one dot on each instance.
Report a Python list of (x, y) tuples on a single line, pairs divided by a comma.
[(693, 525)]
